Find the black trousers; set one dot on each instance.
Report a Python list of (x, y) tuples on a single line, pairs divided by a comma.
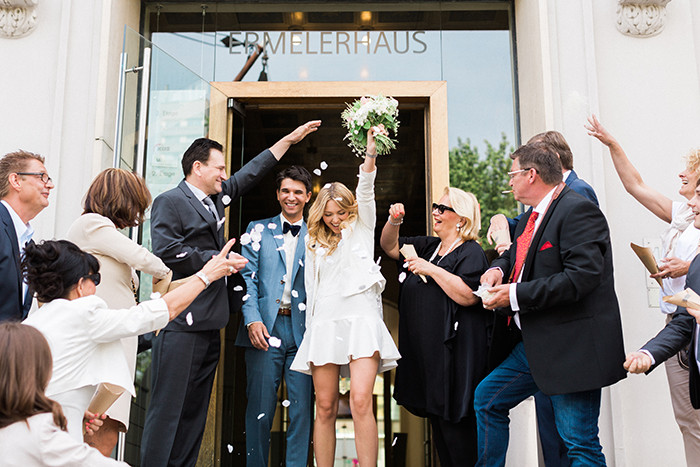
[(456, 443)]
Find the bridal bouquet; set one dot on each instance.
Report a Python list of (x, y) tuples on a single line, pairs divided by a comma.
[(365, 113)]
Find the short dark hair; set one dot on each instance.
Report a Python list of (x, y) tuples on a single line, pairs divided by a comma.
[(557, 142), (120, 196), (12, 163), (296, 173), (53, 267), (199, 150), (542, 157)]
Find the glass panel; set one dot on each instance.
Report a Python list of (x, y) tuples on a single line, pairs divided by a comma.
[(178, 112)]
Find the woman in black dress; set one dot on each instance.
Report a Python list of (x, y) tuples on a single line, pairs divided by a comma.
[(442, 326)]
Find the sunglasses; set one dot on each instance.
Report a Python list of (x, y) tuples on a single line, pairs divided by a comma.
[(95, 278), (441, 208)]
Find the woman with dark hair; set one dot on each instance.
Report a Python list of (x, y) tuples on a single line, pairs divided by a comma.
[(116, 199), (32, 426), (84, 335)]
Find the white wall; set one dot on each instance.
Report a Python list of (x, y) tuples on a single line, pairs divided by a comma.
[(646, 91), (59, 95)]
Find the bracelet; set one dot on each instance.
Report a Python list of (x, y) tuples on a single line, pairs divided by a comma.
[(400, 221), (370, 155), (204, 278)]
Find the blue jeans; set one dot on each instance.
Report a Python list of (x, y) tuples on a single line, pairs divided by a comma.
[(575, 414)]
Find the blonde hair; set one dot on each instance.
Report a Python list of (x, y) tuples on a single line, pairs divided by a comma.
[(692, 159), (466, 206), (320, 235)]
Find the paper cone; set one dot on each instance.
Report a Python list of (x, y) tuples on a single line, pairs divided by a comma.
[(409, 251), (647, 258), (105, 395), (687, 299), (501, 236)]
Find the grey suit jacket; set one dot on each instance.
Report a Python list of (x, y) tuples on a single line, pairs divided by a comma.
[(185, 236), (11, 305)]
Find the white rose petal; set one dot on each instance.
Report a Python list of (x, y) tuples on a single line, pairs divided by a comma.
[(271, 225), (252, 275), (302, 306), (317, 172), (261, 416), (256, 246), (338, 198), (255, 236), (226, 200), (155, 295), (327, 185), (274, 342), (379, 260), (245, 297), (324, 166), (286, 403), (301, 263), (394, 441), (259, 227), (402, 277), (279, 237), (245, 238), (189, 319), (181, 255), (456, 325), (405, 265), (230, 448), (284, 278), (281, 248), (375, 268), (238, 288), (295, 294)]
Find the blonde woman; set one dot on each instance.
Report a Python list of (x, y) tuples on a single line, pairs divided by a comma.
[(442, 326), (345, 332)]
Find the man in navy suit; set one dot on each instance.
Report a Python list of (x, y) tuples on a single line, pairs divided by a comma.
[(274, 322), (553, 447), (556, 284), (24, 192), (187, 230)]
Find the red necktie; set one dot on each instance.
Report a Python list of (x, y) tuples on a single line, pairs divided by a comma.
[(523, 242)]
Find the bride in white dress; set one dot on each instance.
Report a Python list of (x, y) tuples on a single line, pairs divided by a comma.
[(345, 331)]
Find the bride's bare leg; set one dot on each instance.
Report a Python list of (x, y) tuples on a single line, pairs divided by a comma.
[(326, 386), (362, 374)]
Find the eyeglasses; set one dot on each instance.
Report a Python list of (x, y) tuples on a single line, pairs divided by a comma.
[(42, 175), (95, 278), (441, 208), (516, 172)]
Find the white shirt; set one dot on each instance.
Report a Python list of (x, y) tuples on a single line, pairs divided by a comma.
[(540, 209), (24, 234), (290, 247), (685, 248)]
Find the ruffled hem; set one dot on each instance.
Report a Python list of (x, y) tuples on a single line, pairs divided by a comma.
[(340, 341)]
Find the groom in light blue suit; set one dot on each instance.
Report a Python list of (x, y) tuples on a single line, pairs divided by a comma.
[(274, 322)]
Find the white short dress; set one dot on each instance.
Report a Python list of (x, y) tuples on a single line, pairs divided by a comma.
[(344, 315)]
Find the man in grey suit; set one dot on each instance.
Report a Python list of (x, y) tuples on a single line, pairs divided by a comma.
[(24, 193), (274, 323), (186, 230)]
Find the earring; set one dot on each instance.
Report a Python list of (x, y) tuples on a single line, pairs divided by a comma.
[(459, 226)]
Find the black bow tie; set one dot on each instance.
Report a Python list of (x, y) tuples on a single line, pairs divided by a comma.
[(287, 227)]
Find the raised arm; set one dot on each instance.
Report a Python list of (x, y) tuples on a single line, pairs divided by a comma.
[(658, 204), (389, 240), (280, 147)]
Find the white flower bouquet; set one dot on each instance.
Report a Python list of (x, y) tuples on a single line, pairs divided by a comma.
[(365, 113)]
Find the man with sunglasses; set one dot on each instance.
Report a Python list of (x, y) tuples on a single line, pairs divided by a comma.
[(555, 284), (24, 193)]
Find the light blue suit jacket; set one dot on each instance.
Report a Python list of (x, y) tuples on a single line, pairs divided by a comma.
[(265, 287)]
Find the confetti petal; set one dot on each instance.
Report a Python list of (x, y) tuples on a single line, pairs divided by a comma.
[(286, 403), (301, 263), (189, 319), (245, 238), (255, 236), (327, 185), (256, 246), (302, 306), (338, 198), (271, 225), (279, 237), (259, 227), (252, 275), (402, 277), (230, 448), (274, 342), (281, 248), (295, 294), (394, 441), (456, 324), (405, 265), (226, 200), (317, 172), (379, 260), (245, 297), (181, 255), (324, 166), (155, 295), (238, 288), (261, 416)]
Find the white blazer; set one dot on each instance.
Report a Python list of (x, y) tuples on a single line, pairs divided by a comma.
[(84, 337)]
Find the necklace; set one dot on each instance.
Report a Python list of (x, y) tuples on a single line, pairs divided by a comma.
[(454, 244)]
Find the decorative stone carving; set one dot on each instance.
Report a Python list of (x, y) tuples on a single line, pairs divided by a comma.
[(17, 17), (641, 18)]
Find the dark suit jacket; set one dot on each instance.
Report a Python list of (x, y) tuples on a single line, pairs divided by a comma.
[(11, 305), (678, 333), (185, 236), (576, 184), (569, 313)]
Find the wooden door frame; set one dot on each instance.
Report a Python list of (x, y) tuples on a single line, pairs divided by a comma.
[(431, 95)]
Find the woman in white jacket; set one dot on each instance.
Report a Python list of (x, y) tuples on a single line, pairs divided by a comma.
[(345, 332)]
